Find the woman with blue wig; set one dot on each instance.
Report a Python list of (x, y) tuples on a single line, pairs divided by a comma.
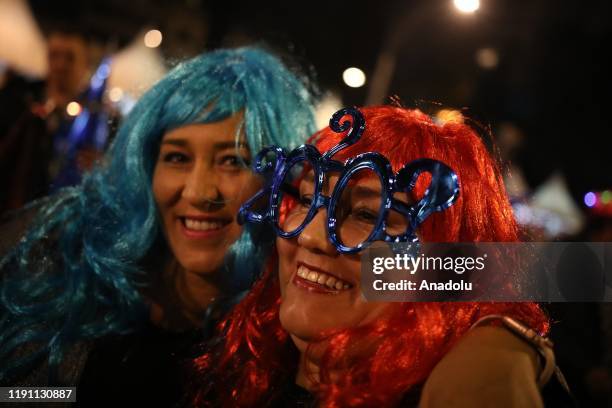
[(111, 280)]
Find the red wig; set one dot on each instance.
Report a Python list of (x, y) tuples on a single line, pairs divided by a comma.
[(256, 354)]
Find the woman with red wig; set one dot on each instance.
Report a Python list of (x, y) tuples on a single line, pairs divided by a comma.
[(305, 334)]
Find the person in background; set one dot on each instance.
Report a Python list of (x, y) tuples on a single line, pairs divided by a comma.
[(32, 113)]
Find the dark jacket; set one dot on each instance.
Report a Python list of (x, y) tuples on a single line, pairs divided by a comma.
[(145, 365)]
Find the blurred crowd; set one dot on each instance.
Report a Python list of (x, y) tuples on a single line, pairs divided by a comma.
[(55, 128)]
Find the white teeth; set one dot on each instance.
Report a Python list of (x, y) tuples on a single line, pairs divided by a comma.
[(198, 225), (321, 278), (331, 282)]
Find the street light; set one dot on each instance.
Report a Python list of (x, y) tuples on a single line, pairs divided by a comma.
[(354, 77), (467, 6)]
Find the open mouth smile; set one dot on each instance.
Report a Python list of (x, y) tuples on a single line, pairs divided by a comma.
[(319, 281), (201, 228)]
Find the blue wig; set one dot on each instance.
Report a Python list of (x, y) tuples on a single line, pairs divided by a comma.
[(77, 274)]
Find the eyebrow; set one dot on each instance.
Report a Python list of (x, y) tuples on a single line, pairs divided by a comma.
[(217, 146), (365, 192), (359, 191), (174, 142), (368, 192), (229, 145)]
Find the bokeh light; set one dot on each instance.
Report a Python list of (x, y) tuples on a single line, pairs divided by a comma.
[(73, 108), (487, 58), (115, 94), (590, 199), (153, 38), (467, 6), (354, 77), (448, 116)]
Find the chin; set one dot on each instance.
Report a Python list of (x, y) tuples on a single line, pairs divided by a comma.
[(299, 331), (201, 265), (300, 325)]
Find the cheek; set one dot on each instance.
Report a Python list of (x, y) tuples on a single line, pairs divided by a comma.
[(247, 186), (165, 187), (286, 259), (238, 189), (254, 184)]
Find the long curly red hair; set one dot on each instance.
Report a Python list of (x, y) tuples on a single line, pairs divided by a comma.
[(255, 356)]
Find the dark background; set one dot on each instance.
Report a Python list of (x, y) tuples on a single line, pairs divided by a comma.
[(552, 80)]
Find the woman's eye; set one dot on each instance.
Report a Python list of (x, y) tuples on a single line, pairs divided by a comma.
[(365, 215), (306, 200), (234, 161), (175, 157)]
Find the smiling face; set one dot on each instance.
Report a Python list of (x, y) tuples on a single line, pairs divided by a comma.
[(199, 183), (320, 288)]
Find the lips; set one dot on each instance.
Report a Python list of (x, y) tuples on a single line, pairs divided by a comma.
[(320, 281)]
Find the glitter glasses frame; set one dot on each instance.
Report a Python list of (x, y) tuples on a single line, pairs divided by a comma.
[(274, 164)]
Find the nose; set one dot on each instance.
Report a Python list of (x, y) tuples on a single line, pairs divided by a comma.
[(201, 187), (314, 235)]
